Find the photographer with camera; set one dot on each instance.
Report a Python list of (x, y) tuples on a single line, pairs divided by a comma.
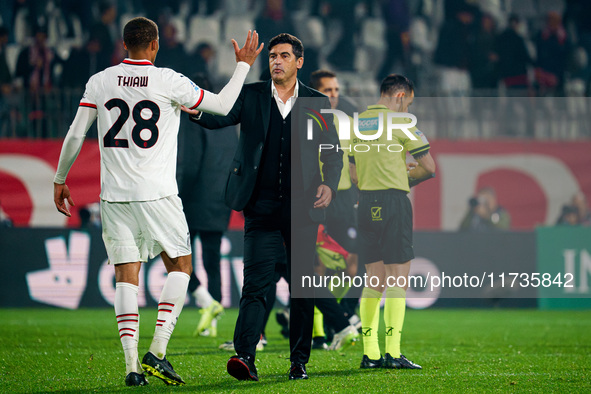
[(485, 214)]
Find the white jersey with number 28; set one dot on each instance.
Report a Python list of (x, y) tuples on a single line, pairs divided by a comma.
[(139, 112)]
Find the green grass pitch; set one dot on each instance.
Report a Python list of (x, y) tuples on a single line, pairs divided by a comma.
[(52, 350)]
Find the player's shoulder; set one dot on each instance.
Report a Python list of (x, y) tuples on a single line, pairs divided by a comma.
[(166, 70), (167, 74), (97, 77)]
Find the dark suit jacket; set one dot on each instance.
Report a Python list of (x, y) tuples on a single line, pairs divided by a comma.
[(253, 110), (203, 160)]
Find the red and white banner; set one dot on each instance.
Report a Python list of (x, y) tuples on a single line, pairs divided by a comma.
[(533, 180), (27, 168)]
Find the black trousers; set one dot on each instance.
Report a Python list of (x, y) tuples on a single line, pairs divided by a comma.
[(210, 253), (334, 315), (269, 238)]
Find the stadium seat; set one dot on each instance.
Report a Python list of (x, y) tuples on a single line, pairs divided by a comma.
[(22, 30), (181, 28), (310, 30), (226, 63), (372, 33), (524, 8), (202, 29), (236, 27), (12, 52)]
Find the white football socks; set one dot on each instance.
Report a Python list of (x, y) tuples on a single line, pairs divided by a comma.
[(169, 308), (128, 323)]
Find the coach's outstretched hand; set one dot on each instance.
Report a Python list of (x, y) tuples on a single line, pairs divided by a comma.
[(249, 52), (60, 194)]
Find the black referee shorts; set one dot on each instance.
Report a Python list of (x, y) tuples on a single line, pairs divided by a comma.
[(385, 227), (341, 219)]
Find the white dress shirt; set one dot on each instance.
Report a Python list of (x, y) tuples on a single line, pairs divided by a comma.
[(285, 108)]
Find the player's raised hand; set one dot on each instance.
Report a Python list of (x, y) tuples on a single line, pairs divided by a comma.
[(60, 194), (249, 52)]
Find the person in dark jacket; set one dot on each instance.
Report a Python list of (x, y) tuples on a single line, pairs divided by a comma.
[(204, 158), (513, 57), (553, 49), (276, 179)]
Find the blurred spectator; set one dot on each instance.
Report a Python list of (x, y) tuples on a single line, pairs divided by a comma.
[(456, 39), (81, 64), (484, 213), (171, 53), (105, 31), (35, 64), (35, 70), (273, 20), (578, 15), (340, 16), (33, 11), (204, 63), (154, 9), (5, 75), (579, 201), (483, 63), (72, 9), (513, 57), (5, 83), (397, 18), (553, 50), (7, 17), (568, 217), (453, 7), (422, 45), (90, 216)]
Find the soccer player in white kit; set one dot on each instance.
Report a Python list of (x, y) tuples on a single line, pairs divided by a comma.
[(138, 107)]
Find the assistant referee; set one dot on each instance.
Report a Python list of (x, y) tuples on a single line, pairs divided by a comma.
[(385, 217)]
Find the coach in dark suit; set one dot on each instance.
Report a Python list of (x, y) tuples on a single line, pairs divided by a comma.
[(275, 179)]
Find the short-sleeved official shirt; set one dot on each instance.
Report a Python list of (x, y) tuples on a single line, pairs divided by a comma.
[(139, 112), (381, 164)]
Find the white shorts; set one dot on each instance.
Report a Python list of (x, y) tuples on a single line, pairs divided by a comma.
[(134, 231)]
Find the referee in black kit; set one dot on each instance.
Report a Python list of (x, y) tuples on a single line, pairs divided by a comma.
[(282, 204), (385, 216)]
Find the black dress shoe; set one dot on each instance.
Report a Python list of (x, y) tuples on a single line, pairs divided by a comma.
[(242, 367), (367, 362), (297, 371)]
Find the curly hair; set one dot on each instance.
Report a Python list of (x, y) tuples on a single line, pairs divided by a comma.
[(139, 32)]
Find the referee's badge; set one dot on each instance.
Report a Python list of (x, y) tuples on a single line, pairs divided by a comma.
[(376, 214)]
